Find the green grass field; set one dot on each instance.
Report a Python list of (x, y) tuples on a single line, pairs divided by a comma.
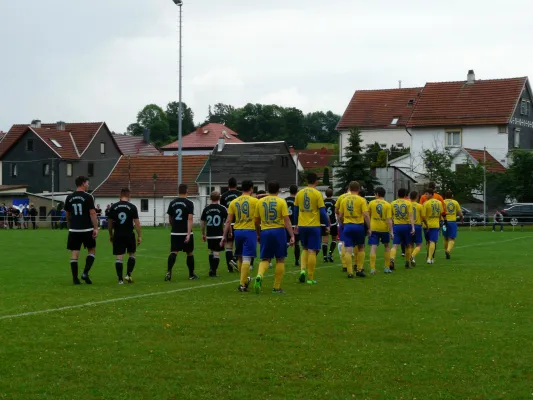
[(459, 329)]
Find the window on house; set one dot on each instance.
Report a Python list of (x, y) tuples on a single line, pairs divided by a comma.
[(29, 145), (524, 107), (517, 138), (90, 169), (284, 161), (46, 169), (102, 148), (208, 191), (56, 143), (69, 169), (453, 138), (395, 120), (502, 129), (144, 205), (14, 170)]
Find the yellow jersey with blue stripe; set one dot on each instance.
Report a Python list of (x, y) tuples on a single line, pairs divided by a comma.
[(243, 210), (272, 210), (380, 212), (451, 207), (401, 212), (353, 208), (432, 213), (309, 202), (418, 212)]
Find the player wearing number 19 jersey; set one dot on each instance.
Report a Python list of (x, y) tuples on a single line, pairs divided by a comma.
[(212, 223), (432, 215), (404, 228), (453, 209)]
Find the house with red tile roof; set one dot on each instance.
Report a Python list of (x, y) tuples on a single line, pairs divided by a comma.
[(136, 145), (203, 140), (49, 157)]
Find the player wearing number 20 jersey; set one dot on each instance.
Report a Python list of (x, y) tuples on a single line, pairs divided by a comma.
[(212, 221)]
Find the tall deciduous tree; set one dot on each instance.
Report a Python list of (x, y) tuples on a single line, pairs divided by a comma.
[(355, 167), (152, 117), (321, 127)]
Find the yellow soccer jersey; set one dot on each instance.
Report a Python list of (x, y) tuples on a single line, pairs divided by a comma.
[(353, 207), (271, 210), (418, 212), (338, 203), (452, 207), (243, 210), (432, 212), (401, 211), (380, 211), (309, 202)]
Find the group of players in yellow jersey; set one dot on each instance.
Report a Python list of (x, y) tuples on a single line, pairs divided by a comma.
[(403, 222)]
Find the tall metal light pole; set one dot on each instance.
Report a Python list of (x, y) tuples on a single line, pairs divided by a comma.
[(179, 3)]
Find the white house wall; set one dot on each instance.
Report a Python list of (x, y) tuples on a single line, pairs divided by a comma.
[(390, 137)]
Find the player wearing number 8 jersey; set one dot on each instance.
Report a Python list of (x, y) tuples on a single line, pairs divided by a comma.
[(310, 213), (180, 217), (404, 227), (123, 217), (272, 218), (432, 215), (212, 223), (242, 212), (380, 228)]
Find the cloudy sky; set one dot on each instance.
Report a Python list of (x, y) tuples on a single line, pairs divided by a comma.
[(105, 59)]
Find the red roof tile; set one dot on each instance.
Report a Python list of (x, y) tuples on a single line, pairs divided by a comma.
[(205, 137), (377, 108), (135, 145), (63, 138), (137, 173), (485, 102), (322, 158), (493, 165)]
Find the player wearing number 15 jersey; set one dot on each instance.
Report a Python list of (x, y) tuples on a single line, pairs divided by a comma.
[(212, 223), (242, 212), (180, 217), (83, 228), (122, 219)]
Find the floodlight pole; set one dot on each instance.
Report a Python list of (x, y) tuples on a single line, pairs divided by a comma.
[(179, 3)]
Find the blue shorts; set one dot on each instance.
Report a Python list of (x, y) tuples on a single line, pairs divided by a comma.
[(376, 237), (417, 238), (354, 235), (433, 235), (402, 234), (451, 230), (341, 232), (245, 243), (273, 243), (311, 238)]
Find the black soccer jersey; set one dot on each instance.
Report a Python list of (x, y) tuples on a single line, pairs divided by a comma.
[(79, 206), (214, 216), (123, 214), (179, 210), (228, 197), (330, 210), (290, 205)]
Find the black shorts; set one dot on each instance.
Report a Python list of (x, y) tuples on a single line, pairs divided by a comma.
[(333, 231), (177, 244), (123, 244), (76, 239), (214, 245)]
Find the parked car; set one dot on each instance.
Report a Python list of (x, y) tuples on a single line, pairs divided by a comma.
[(518, 213), (471, 217)]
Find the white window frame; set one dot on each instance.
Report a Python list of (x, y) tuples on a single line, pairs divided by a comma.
[(56, 143), (452, 132), (69, 169), (102, 147), (516, 138), (502, 129), (46, 169), (14, 170), (395, 120), (526, 110)]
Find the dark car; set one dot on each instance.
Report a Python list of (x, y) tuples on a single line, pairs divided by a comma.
[(519, 213), (471, 217)]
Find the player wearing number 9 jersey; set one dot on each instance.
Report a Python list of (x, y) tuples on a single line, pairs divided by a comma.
[(180, 217), (122, 219), (380, 228), (212, 223), (83, 228), (242, 212)]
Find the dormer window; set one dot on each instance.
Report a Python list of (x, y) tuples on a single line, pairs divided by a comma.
[(395, 120), (411, 103), (56, 143)]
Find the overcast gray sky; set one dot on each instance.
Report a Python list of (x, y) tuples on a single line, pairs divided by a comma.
[(105, 59)]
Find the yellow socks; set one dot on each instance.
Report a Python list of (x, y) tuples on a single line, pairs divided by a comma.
[(343, 257), (263, 267), (451, 243), (245, 272), (305, 258), (280, 271), (431, 250), (387, 259), (393, 253), (239, 265), (373, 261), (408, 252), (360, 260), (416, 251), (311, 265), (348, 261)]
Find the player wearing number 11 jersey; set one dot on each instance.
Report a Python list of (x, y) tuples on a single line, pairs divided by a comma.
[(212, 223)]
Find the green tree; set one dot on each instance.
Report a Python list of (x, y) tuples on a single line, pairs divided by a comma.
[(221, 114), (519, 176), (325, 177), (135, 129), (355, 167), (152, 117), (321, 127), (172, 112)]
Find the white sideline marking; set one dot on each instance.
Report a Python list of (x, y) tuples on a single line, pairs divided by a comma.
[(140, 296)]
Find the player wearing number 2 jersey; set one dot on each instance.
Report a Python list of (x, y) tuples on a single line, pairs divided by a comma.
[(242, 211), (212, 224), (123, 217), (83, 228), (180, 217)]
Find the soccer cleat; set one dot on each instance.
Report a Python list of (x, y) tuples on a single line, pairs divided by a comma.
[(403, 254), (248, 282), (120, 282), (297, 264), (168, 276), (76, 281), (278, 291), (448, 255), (326, 259), (128, 279), (387, 271), (344, 269), (413, 262), (258, 283), (302, 277), (430, 261), (233, 265), (391, 264), (242, 288), (372, 272), (193, 278), (360, 274), (407, 265), (350, 276), (330, 258), (311, 282), (86, 278)]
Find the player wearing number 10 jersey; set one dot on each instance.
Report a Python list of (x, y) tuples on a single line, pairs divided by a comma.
[(212, 223), (180, 217), (123, 217)]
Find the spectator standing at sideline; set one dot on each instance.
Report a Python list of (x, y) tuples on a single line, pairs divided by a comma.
[(33, 216), (99, 214), (498, 220)]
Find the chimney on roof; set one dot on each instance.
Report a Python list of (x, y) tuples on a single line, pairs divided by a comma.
[(146, 136), (221, 143), (36, 123), (471, 77), (60, 126)]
